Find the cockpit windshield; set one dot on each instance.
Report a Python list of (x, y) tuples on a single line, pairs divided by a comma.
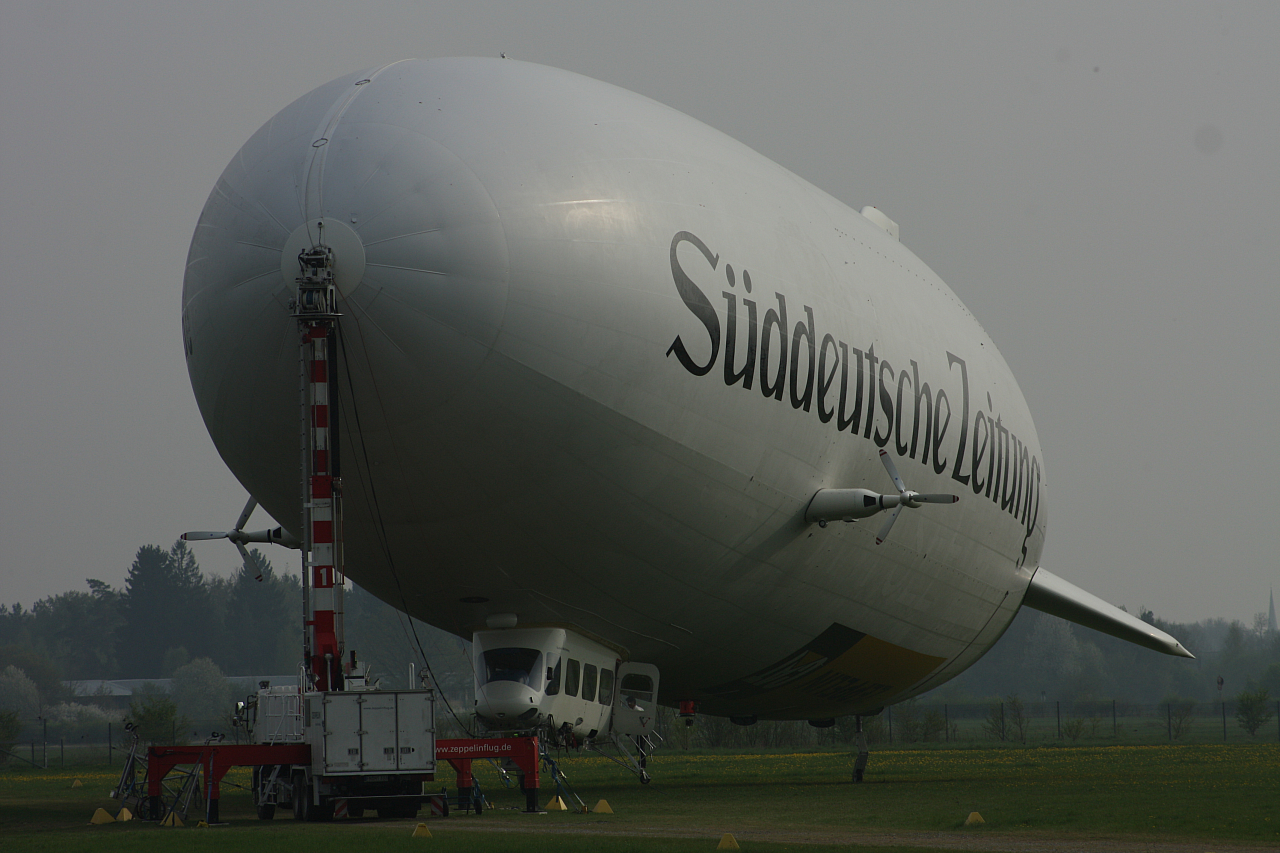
[(520, 665)]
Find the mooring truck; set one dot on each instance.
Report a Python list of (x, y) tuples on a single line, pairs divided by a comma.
[(370, 750)]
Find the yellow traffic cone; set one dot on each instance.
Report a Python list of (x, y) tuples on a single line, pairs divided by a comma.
[(602, 807), (557, 805), (101, 816), (973, 819), (421, 831), (77, 784), (728, 842), (172, 820), (124, 814)]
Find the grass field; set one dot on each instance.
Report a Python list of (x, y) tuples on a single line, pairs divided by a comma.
[(1099, 796)]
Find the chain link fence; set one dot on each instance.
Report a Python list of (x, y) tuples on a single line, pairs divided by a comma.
[(51, 742)]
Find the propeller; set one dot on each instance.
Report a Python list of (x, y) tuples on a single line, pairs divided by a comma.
[(851, 504), (239, 537)]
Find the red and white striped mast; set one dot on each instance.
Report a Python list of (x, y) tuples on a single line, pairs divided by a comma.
[(322, 579)]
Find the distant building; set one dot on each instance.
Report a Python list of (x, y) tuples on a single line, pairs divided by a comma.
[(117, 693)]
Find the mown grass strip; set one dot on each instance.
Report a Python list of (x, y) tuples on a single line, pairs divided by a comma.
[(1171, 793)]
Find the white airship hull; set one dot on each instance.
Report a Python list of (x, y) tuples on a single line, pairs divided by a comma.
[(541, 413)]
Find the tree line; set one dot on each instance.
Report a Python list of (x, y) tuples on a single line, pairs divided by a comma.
[(1043, 658), (170, 614)]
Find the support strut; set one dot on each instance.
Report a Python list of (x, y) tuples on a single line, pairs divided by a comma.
[(860, 741)]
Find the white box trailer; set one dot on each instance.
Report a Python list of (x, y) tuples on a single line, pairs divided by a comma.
[(370, 750), (376, 731)]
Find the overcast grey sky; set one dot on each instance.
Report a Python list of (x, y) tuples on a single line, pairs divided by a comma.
[(1100, 185)]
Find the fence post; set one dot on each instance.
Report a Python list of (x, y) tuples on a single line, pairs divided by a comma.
[(44, 740)]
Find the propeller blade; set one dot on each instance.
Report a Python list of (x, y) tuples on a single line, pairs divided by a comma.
[(888, 525), (935, 499), (244, 555), (893, 471), (248, 511), (201, 535)]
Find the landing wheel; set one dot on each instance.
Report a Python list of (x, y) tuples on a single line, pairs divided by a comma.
[(644, 777)]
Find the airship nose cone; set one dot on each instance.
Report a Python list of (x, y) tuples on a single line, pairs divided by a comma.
[(362, 164)]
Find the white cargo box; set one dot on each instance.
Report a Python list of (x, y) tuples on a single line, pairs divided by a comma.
[(376, 731), (279, 716)]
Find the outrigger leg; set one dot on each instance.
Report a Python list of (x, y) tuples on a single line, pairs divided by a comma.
[(860, 741)]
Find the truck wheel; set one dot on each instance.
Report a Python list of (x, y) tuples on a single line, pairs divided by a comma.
[(301, 798)]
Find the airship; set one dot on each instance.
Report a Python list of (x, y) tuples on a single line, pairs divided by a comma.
[(642, 413)]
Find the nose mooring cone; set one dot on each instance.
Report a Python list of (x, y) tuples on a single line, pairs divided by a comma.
[(728, 842), (421, 831), (973, 819)]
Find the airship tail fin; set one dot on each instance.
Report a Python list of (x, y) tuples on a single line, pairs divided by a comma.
[(1051, 594)]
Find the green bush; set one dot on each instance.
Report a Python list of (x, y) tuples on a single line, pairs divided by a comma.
[(1073, 729), (156, 718), (10, 725), (1253, 709)]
